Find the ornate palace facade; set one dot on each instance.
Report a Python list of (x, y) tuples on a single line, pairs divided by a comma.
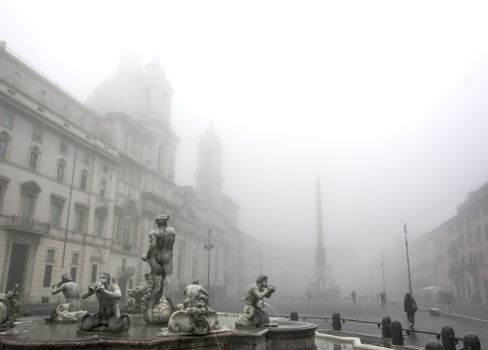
[(80, 185)]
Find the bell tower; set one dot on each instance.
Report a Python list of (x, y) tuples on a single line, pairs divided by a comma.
[(209, 171)]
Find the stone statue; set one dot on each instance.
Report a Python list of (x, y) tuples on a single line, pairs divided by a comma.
[(134, 302), (159, 256), (197, 318), (253, 315), (71, 310), (10, 307), (194, 293), (108, 317)]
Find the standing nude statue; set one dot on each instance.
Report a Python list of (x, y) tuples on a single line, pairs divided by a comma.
[(159, 256)]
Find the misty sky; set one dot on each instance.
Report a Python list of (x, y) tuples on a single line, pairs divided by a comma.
[(385, 101)]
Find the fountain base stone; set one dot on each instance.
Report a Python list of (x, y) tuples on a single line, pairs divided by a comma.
[(290, 335)]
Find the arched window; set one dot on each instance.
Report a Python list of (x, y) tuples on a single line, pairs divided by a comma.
[(60, 170), (34, 158), (83, 179), (103, 185), (4, 143)]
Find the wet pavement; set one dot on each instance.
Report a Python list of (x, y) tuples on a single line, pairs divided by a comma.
[(373, 312)]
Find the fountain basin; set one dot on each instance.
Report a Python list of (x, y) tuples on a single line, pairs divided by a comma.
[(36, 334)]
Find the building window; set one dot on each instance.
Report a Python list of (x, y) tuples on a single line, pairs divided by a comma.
[(85, 159), (60, 170), (73, 272), (94, 272), (3, 188), (34, 155), (7, 120), (83, 180), (75, 258), (57, 206), (81, 217), (56, 210), (4, 142), (100, 215), (37, 134), (63, 148), (27, 207), (48, 272), (103, 185), (50, 255), (126, 229), (29, 192)]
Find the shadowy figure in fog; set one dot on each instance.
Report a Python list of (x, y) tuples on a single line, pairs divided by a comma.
[(353, 297), (383, 299), (410, 307)]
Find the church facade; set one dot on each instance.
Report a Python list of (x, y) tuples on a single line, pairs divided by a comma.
[(81, 185)]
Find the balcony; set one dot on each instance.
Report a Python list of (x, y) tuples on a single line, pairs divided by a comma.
[(18, 223)]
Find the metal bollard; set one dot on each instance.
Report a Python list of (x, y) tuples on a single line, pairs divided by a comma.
[(448, 338), (471, 340), (293, 316), (433, 345), (336, 321), (386, 327), (396, 333)]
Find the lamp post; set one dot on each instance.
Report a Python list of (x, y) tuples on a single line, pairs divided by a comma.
[(209, 246), (408, 259), (383, 271)]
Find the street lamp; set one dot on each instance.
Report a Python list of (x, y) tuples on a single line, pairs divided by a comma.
[(408, 259), (209, 246), (383, 271)]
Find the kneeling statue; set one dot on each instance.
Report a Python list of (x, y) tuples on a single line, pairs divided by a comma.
[(71, 310), (253, 315), (108, 317)]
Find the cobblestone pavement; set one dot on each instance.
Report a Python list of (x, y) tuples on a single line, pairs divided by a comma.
[(369, 311)]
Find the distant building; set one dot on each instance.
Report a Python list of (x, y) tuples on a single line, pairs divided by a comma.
[(454, 256), (81, 185)]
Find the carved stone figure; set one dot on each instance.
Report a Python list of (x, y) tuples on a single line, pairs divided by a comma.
[(197, 318), (193, 293), (10, 306), (134, 302), (72, 310), (253, 315), (160, 258), (108, 317)]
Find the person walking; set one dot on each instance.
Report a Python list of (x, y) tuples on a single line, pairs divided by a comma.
[(353, 296), (383, 299), (410, 307)]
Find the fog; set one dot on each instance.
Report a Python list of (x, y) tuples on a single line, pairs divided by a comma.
[(384, 102)]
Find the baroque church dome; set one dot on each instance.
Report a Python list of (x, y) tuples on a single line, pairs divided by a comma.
[(137, 91)]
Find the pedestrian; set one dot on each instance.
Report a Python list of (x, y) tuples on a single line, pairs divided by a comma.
[(353, 296), (383, 299), (410, 307)]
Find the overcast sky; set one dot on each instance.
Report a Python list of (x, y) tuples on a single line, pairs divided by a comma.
[(385, 101)]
